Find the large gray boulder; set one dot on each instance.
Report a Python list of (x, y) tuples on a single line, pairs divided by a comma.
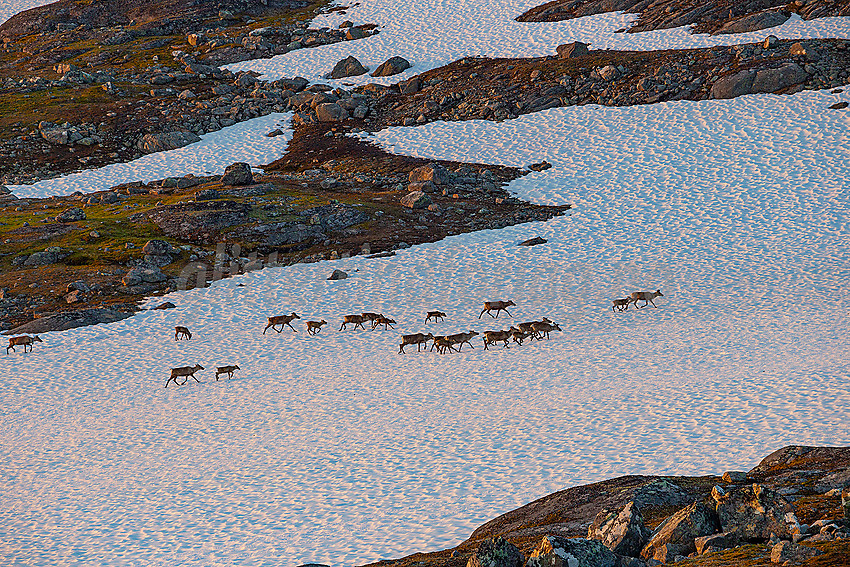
[(755, 512), (624, 533), (496, 552), (660, 493), (733, 85), (416, 200), (70, 320), (555, 551), (755, 22), (157, 253), (330, 112), (73, 214), (571, 50), (392, 66), (786, 552), (432, 172), (348, 67), (146, 274), (152, 143), (772, 80), (677, 534), (238, 173)]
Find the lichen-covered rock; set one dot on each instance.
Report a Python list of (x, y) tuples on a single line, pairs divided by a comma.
[(772, 80), (660, 493), (73, 214), (238, 173), (152, 143), (571, 50), (330, 112), (755, 22), (49, 256), (432, 172), (392, 66), (791, 552), (416, 200), (677, 534), (348, 67), (554, 551), (845, 503), (734, 477), (624, 533), (496, 552), (714, 542), (755, 512), (734, 85)]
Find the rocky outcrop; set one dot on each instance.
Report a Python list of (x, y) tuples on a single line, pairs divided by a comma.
[(755, 22), (158, 253), (787, 552), (70, 320), (754, 512), (496, 552), (416, 200), (624, 533), (152, 143), (554, 551), (73, 214), (146, 274), (198, 222)]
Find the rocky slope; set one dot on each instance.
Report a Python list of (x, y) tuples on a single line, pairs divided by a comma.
[(791, 509)]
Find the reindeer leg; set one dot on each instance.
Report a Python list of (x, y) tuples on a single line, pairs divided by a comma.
[(193, 376), (290, 326), (482, 313), (653, 304), (509, 313)]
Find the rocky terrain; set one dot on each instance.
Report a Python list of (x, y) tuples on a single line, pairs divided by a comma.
[(83, 85), (791, 509)]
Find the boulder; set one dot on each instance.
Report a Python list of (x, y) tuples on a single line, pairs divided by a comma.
[(6, 194), (791, 552), (677, 534), (338, 275), (354, 33), (392, 66), (73, 214), (733, 85), (416, 200), (838, 105), (554, 551), (78, 285), (58, 136), (496, 552), (624, 533), (770, 42), (571, 50), (166, 305), (70, 320), (433, 172), (424, 186), (158, 248), (74, 296), (755, 22), (845, 503), (330, 112), (755, 512), (49, 256), (152, 143), (410, 86), (608, 73), (143, 274), (348, 67), (237, 174), (797, 50), (772, 80), (534, 242), (734, 477), (660, 493), (208, 194), (715, 542)]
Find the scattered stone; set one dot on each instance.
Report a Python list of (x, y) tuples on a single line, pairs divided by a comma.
[(237, 174), (330, 112), (338, 275), (496, 552), (845, 503), (165, 305), (74, 296), (839, 105), (348, 67), (73, 214), (416, 200), (78, 285), (533, 242), (208, 194), (770, 42), (392, 66)]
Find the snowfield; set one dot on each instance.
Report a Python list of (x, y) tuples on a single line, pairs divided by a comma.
[(336, 449)]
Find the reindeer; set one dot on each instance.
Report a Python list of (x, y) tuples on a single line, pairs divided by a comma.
[(526, 327), (417, 339), (25, 340), (497, 306), (184, 371), (443, 345), (493, 337), (437, 316), (281, 320), (543, 328), (519, 336), (313, 327), (371, 318), (646, 296), (461, 338), (621, 304), (229, 370), (356, 320), (385, 321), (181, 333)]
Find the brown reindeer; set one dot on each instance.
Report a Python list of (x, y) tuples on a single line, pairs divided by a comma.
[(417, 339), (25, 340), (229, 370), (496, 306), (461, 338), (526, 327), (519, 336), (313, 327), (621, 304), (181, 333), (385, 321), (443, 345), (493, 337), (437, 316), (281, 320), (646, 297), (184, 371), (543, 328), (371, 317), (356, 320)]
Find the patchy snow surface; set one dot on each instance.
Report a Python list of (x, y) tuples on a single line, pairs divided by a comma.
[(433, 33), (336, 449), (245, 141)]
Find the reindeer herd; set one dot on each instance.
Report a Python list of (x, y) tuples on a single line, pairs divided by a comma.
[(531, 330)]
